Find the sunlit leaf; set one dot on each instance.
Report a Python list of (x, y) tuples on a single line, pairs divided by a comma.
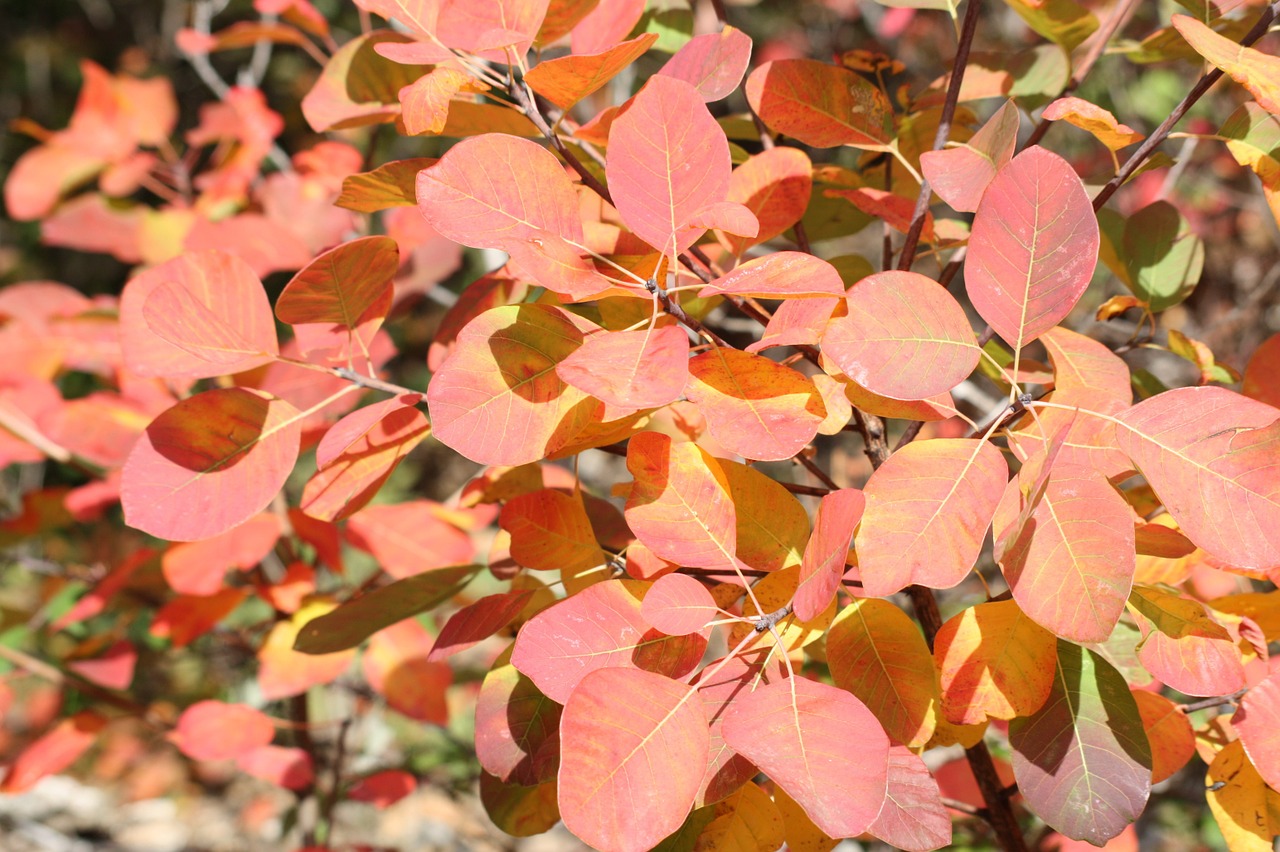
[(775, 185), (1258, 723), (819, 104), (627, 737), (341, 284), (569, 79), (409, 538), (713, 63), (1183, 645), (1033, 246), (961, 175), (678, 605), (1082, 761), (631, 369), (1173, 743), (1094, 119), (1256, 71), (820, 744), (828, 549), (1247, 810), (209, 463), (772, 525)]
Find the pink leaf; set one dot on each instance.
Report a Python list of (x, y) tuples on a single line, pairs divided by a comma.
[(713, 63), (824, 557), (678, 605), (631, 369)]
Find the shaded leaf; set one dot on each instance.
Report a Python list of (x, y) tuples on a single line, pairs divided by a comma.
[(820, 744), (747, 819), (961, 175), (209, 463), (627, 737), (913, 817), (341, 284), (392, 184), (478, 621), (994, 662), (1164, 255), (1247, 810), (713, 63), (772, 526), (1082, 761), (1183, 645), (1033, 246), (358, 619), (395, 664), (877, 653), (517, 727)]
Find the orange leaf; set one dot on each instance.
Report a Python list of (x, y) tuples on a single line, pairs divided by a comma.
[(569, 79), (819, 104), (409, 538), (828, 549), (283, 671), (197, 567), (1253, 69), (1093, 118), (53, 752), (1173, 743), (396, 665), (631, 369), (212, 730), (424, 103)]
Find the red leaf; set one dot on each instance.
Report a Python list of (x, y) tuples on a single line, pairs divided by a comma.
[(818, 743), (290, 768), (631, 369), (1258, 723), (53, 752), (775, 185), (1262, 373), (781, 275), (628, 737), (208, 302), (1082, 761), (606, 25), (188, 617), (212, 730), (1033, 247), (904, 337), (396, 665), (358, 455), (1209, 453), (1173, 743), (569, 79), (913, 817), (476, 622), (210, 463), (197, 568), (754, 407), (828, 548), (409, 538), (112, 669), (772, 526), (497, 399), (382, 789), (668, 160), (678, 605), (961, 175), (1082, 363), (928, 510), (550, 531), (1069, 559), (819, 104), (600, 627), (341, 284), (713, 63), (679, 505)]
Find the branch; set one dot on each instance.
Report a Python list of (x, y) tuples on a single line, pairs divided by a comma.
[(968, 28)]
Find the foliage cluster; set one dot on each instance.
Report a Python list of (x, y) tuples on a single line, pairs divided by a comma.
[(738, 639)]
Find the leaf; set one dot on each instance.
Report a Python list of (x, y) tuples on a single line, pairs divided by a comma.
[(392, 184), (517, 727), (1208, 453), (896, 211), (1082, 363), (877, 653), (631, 369), (290, 768), (819, 104), (828, 548), (382, 789), (1253, 69), (928, 510), (606, 25), (517, 810), (1173, 743), (358, 85), (754, 407), (424, 103), (395, 664), (213, 730), (995, 662), (498, 191), (627, 737), (1094, 119), (359, 453), (713, 63), (679, 505), (781, 275), (960, 175), (719, 686), (1183, 645), (820, 744), (209, 463), (772, 526), (550, 531), (1062, 21), (340, 285), (599, 627), (1164, 256), (478, 621), (797, 321), (211, 316), (1258, 723), (569, 79), (668, 160), (746, 819), (497, 399), (775, 185), (1069, 559), (283, 670), (409, 538), (358, 619), (904, 337), (54, 751), (1247, 811), (678, 605), (913, 817), (1033, 247), (1082, 761)]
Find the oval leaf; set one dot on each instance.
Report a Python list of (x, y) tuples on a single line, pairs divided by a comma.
[(631, 369), (781, 275), (341, 284), (913, 817), (819, 104), (678, 605), (209, 463)]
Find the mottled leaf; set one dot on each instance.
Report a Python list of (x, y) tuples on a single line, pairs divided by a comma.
[(819, 104)]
